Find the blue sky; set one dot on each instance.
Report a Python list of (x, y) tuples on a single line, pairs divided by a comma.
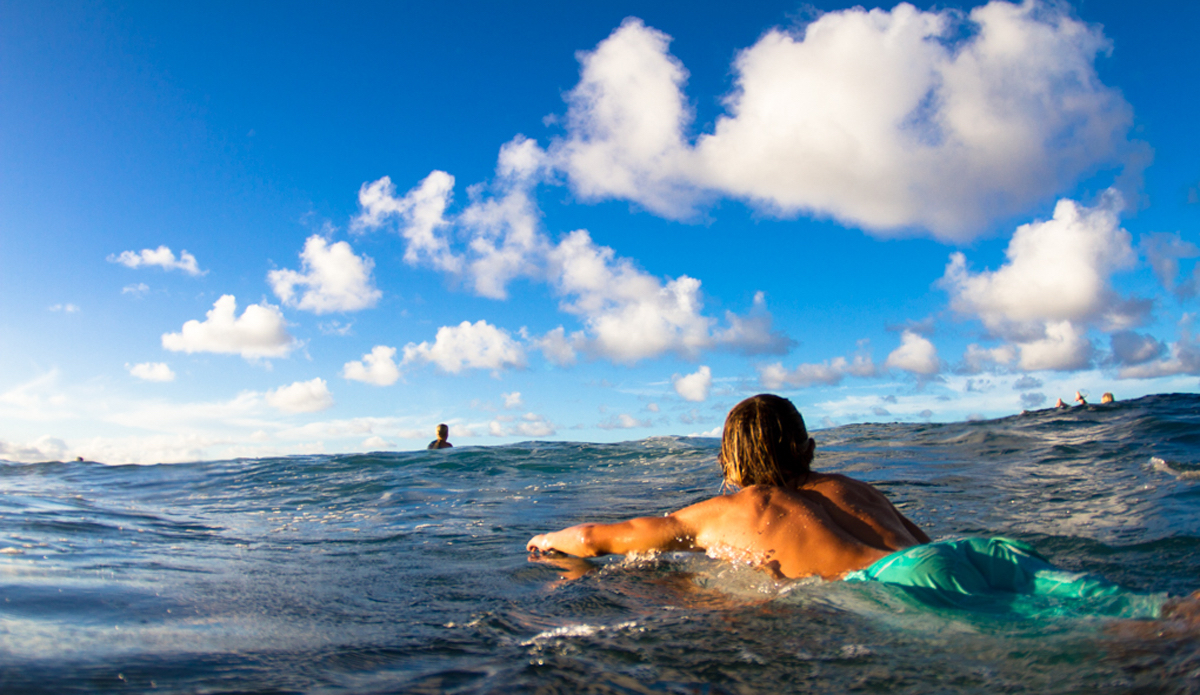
[(307, 227)]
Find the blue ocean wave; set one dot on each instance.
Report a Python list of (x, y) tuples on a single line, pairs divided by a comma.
[(406, 571)]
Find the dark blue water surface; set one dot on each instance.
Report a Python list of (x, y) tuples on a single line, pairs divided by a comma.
[(406, 572)]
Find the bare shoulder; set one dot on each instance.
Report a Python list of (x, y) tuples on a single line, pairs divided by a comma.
[(838, 483)]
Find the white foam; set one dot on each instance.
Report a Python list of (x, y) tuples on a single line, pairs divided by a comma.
[(581, 630), (1161, 466)]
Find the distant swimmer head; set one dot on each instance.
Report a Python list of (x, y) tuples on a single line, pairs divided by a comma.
[(443, 432), (1107, 397), (765, 442)]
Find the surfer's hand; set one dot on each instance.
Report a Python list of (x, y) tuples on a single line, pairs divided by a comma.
[(539, 544)]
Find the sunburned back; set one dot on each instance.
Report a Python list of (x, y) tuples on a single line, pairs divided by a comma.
[(830, 527)]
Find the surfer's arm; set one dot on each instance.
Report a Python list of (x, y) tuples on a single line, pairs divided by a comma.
[(641, 535)]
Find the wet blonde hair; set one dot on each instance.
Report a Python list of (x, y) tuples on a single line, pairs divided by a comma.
[(765, 442)]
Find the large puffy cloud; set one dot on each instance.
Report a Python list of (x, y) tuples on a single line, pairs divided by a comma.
[(916, 354), (626, 120), (260, 332), (478, 345), (162, 257), (335, 278), (376, 367), (1056, 283), (886, 120), (693, 387), (301, 397)]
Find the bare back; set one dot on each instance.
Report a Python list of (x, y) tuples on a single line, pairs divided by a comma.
[(829, 526)]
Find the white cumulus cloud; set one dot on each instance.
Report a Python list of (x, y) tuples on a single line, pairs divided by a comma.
[(512, 400), (162, 257), (377, 367), (422, 214), (888, 120), (301, 397), (630, 315), (478, 345), (152, 371), (916, 355), (695, 386), (260, 332), (335, 278), (1055, 283)]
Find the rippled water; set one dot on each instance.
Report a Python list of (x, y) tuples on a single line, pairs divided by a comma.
[(406, 571)]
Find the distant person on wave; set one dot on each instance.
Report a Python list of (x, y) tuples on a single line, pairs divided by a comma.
[(794, 522), (443, 433), (1107, 398), (1060, 404), (1080, 399)]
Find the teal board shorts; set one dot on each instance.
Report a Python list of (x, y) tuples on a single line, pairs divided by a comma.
[(1003, 575)]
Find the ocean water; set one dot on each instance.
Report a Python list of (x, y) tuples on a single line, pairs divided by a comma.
[(406, 572)]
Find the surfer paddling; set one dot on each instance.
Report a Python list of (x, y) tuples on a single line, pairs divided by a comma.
[(785, 517), (794, 522)]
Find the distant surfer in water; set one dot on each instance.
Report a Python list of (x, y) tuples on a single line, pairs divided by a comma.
[(1080, 398), (443, 433), (1107, 397), (793, 522)]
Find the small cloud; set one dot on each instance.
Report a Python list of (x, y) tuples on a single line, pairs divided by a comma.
[(828, 373), (512, 400), (335, 328), (624, 421), (65, 308), (162, 257), (335, 278), (259, 332), (478, 345), (138, 290), (916, 355), (1130, 348), (1027, 383), (377, 443), (152, 371), (652, 407), (1032, 400), (693, 387), (301, 397), (377, 367)]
